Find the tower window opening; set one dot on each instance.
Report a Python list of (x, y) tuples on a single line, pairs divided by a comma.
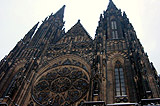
[(119, 80), (114, 35), (114, 25)]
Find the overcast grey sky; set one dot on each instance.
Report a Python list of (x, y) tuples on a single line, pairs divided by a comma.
[(17, 17)]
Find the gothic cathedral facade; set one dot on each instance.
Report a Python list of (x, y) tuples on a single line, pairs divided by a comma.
[(51, 67)]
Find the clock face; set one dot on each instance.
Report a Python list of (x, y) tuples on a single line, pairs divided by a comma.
[(61, 86)]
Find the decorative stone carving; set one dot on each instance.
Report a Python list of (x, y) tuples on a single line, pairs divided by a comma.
[(61, 86)]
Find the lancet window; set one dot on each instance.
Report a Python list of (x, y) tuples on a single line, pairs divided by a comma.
[(114, 30), (119, 80), (114, 24), (114, 35)]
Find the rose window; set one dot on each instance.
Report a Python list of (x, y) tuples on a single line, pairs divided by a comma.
[(61, 87)]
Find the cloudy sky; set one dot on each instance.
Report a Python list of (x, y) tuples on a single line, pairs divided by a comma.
[(18, 16)]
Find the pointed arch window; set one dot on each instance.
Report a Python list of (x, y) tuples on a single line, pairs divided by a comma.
[(114, 35), (114, 30), (15, 83), (119, 80), (114, 24)]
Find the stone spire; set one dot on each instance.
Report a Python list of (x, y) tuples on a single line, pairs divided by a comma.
[(59, 14), (124, 14), (111, 5), (29, 35), (51, 29), (100, 25)]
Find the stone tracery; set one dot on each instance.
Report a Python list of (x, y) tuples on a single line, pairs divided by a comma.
[(61, 86)]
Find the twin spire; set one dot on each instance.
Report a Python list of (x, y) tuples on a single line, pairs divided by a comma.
[(60, 12), (60, 15)]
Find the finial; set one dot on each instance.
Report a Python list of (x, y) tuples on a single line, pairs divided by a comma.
[(37, 23), (111, 5), (101, 16), (79, 20), (124, 14)]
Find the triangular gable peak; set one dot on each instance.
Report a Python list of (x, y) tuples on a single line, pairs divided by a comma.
[(111, 5), (76, 34)]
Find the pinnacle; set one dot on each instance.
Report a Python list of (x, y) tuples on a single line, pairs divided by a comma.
[(30, 33), (64, 6), (111, 5), (124, 14), (59, 13), (79, 21), (111, 1)]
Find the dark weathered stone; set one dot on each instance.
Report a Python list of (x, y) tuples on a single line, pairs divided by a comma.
[(55, 68)]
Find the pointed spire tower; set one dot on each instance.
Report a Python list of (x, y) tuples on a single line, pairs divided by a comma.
[(109, 22), (29, 35), (59, 14), (108, 35), (51, 30), (111, 5), (118, 49)]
